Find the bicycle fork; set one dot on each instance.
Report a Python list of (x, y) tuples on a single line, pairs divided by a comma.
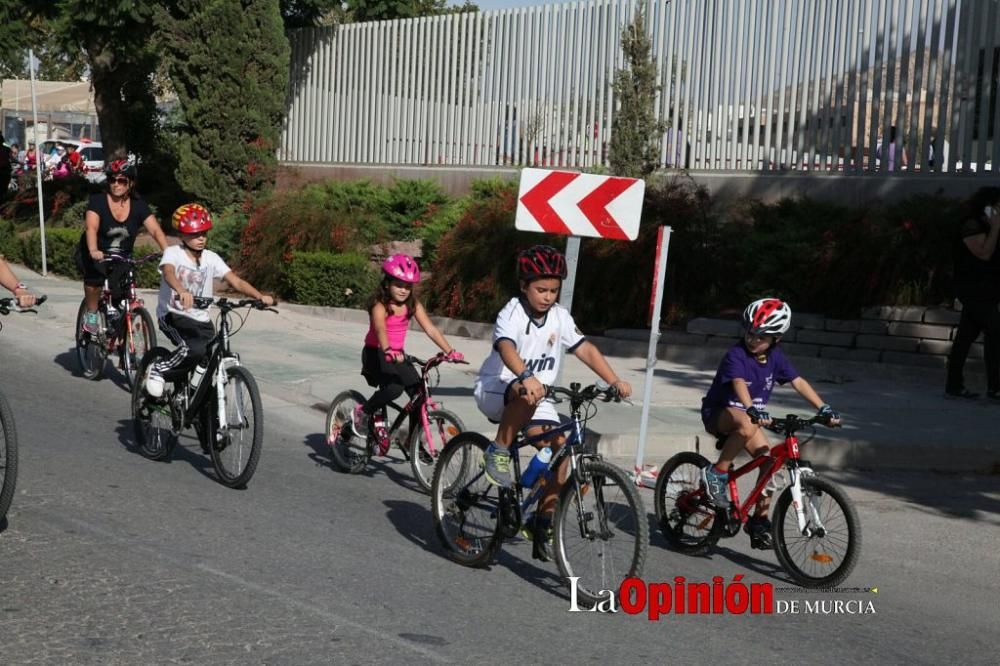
[(811, 525)]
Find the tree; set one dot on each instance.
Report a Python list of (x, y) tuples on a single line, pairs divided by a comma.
[(385, 10), (231, 85), (634, 150), (306, 13)]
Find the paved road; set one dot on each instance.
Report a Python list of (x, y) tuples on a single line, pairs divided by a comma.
[(111, 559)]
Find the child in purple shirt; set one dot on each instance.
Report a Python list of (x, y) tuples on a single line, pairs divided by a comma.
[(735, 406)]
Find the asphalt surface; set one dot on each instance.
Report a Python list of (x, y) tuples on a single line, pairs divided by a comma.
[(108, 558)]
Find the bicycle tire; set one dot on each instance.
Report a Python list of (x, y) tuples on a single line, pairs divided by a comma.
[(599, 517), (455, 492), (91, 352), (152, 418), (444, 425), (673, 514), (136, 343), (8, 456), (235, 456), (347, 451), (785, 536)]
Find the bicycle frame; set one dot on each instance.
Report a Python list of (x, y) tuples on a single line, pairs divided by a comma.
[(122, 331), (575, 437), (781, 455), (418, 406)]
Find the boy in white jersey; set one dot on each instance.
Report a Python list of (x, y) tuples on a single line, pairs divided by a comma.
[(188, 270), (529, 338)]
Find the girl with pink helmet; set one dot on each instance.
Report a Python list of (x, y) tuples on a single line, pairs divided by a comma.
[(390, 310)]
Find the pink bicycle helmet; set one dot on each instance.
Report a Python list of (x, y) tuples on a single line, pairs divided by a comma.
[(767, 316), (402, 267)]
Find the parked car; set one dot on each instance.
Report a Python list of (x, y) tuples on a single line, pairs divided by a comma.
[(92, 153)]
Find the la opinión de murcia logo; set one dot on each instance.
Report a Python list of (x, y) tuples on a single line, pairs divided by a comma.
[(681, 597)]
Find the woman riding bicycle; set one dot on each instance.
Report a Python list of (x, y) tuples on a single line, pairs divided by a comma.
[(111, 225), (382, 360), (529, 338), (736, 403)]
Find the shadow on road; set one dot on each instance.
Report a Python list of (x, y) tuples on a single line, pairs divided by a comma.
[(182, 451), (413, 521), (68, 361)]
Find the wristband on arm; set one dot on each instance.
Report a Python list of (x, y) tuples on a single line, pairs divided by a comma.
[(525, 375)]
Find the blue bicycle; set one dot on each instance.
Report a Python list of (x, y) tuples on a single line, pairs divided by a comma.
[(600, 526)]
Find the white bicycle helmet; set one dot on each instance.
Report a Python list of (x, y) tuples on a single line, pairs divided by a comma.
[(767, 316)]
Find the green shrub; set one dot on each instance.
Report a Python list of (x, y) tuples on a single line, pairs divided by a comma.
[(60, 245), (10, 241), (474, 270), (324, 278), (227, 228), (408, 201), (71, 216), (148, 276)]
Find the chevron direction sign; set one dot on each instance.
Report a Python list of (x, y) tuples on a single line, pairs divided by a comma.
[(579, 204)]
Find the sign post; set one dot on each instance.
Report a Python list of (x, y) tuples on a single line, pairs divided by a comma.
[(659, 276), (39, 160)]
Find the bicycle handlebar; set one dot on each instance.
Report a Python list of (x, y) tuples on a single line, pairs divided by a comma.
[(433, 361), (586, 394), (8, 305), (793, 423), (225, 304), (110, 257)]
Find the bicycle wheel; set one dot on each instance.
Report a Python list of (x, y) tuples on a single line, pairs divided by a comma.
[(349, 452), (601, 530), (826, 557), (152, 418), (236, 452), (137, 343), (443, 425), (91, 349), (688, 524), (465, 505), (8, 456)]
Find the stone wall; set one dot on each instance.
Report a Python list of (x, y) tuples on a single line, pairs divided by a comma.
[(913, 336)]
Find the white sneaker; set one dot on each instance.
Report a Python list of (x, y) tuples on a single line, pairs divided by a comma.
[(154, 383)]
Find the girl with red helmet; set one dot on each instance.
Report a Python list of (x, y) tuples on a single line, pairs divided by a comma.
[(735, 406), (111, 225), (529, 338), (188, 271), (390, 310)]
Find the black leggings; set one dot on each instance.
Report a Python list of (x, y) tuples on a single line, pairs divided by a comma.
[(192, 338), (391, 378), (978, 316)]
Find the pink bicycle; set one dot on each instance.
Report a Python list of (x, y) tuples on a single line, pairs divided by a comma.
[(420, 428)]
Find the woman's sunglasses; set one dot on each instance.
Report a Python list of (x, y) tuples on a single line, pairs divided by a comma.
[(120, 180)]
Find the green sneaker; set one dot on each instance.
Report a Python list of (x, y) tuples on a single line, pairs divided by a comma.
[(496, 465), (91, 324)]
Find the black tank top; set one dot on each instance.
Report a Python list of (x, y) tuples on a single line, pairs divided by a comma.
[(112, 235)]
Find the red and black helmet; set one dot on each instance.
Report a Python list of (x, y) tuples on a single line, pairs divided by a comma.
[(541, 261), (192, 218), (124, 167)]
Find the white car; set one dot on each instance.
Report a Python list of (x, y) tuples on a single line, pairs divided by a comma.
[(92, 153)]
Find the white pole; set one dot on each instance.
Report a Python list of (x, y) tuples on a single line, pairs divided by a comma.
[(662, 246), (572, 259), (38, 157)]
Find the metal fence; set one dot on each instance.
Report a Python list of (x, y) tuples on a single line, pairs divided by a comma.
[(841, 85)]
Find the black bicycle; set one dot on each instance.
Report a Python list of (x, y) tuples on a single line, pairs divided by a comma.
[(600, 526), (8, 447), (222, 404)]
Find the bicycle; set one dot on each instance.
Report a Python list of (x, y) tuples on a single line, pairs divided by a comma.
[(8, 448), (126, 327), (600, 527), (228, 423), (827, 545), (429, 428)]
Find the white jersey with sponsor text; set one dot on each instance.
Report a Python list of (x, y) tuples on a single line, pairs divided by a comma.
[(540, 343)]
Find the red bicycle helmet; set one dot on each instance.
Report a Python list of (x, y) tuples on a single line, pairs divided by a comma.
[(124, 167), (767, 316), (402, 267), (541, 261), (192, 218)]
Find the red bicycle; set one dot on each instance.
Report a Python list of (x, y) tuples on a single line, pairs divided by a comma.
[(816, 531), (126, 327), (429, 427)]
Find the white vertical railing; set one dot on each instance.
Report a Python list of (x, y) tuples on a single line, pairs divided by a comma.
[(744, 84)]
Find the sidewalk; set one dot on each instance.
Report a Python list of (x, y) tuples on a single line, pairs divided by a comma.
[(306, 354)]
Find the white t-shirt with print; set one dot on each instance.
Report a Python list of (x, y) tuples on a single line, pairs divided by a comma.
[(539, 343), (196, 278)]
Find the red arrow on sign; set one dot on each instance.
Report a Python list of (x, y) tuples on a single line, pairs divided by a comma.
[(537, 199), (594, 206)]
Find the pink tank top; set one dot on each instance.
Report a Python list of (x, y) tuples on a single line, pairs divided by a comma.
[(396, 327)]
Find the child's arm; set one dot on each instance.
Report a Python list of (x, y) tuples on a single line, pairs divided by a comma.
[(806, 391), (245, 288), (594, 359), (420, 314), (512, 359), (186, 298), (377, 317)]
